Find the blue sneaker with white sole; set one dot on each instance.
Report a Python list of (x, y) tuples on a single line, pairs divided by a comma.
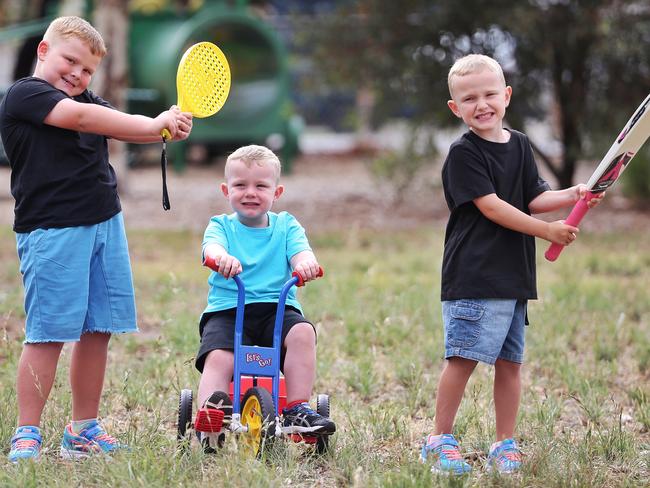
[(504, 457), (25, 444), (90, 441), (444, 452)]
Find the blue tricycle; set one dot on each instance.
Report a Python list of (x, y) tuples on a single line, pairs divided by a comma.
[(256, 417)]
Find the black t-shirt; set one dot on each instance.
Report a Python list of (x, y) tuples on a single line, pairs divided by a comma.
[(483, 259), (59, 177)]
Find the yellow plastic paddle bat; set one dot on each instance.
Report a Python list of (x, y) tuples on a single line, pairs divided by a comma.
[(202, 81), (203, 84)]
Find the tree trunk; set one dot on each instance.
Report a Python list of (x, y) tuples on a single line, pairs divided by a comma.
[(571, 47), (111, 79)]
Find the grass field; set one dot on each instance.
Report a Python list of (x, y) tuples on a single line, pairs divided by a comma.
[(585, 416)]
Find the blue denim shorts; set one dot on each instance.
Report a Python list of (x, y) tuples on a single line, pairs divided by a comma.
[(485, 329), (77, 280)]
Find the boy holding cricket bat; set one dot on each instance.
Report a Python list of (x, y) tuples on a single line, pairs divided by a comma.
[(492, 187)]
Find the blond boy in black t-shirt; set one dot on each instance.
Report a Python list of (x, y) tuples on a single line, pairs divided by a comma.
[(492, 187), (69, 230)]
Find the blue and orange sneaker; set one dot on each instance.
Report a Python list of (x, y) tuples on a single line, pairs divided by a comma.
[(443, 449), (91, 440), (504, 457), (25, 444)]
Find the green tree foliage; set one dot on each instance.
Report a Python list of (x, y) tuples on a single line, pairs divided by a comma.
[(582, 65), (636, 179)]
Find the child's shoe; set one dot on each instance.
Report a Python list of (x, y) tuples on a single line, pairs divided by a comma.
[(445, 453), (91, 440), (504, 457), (25, 444), (212, 420), (301, 419)]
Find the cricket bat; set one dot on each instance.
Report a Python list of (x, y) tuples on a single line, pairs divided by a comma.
[(626, 145)]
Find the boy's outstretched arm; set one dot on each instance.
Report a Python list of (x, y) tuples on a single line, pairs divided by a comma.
[(306, 265), (504, 214), (184, 123), (551, 200), (97, 119), (228, 266)]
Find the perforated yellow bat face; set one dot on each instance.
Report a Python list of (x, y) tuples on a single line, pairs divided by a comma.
[(203, 80)]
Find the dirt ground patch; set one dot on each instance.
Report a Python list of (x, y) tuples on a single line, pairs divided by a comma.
[(323, 192)]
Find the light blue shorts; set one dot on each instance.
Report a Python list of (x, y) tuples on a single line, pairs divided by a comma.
[(77, 280), (485, 329)]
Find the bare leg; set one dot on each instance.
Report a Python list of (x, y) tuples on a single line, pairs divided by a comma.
[(300, 362), (450, 392), (87, 369), (36, 373), (217, 373), (507, 394)]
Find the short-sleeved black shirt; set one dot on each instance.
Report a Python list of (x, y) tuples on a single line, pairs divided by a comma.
[(59, 177), (481, 258)]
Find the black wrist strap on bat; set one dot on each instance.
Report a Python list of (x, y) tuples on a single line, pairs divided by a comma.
[(163, 166)]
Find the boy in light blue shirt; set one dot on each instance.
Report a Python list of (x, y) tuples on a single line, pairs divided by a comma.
[(264, 248)]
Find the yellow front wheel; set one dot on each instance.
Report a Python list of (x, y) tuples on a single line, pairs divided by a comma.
[(258, 414)]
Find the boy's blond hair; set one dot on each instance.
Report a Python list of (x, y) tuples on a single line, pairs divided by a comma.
[(473, 63), (254, 154), (71, 26)]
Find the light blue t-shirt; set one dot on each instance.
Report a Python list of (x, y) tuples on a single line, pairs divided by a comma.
[(264, 253)]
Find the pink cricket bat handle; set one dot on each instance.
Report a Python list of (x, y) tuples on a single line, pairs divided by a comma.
[(574, 218)]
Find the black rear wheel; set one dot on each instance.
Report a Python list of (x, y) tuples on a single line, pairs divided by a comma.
[(184, 416), (258, 415), (322, 409)]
